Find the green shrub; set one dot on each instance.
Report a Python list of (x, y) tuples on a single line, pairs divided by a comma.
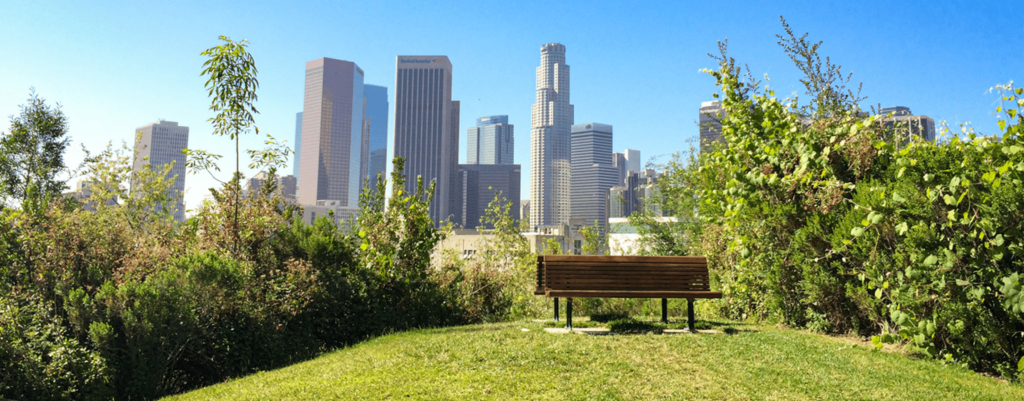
[(40, 360), (824, 216)]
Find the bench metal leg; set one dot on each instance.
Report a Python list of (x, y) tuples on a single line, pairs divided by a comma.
[(556, 309), (664, 310), (568, 313), (689, 316)]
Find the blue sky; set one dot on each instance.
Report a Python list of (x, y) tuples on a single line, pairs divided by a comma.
[(115, 66)]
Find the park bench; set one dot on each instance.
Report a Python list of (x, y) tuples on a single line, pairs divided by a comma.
[(584, 276)]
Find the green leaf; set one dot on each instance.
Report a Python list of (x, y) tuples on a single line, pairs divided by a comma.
[(931, 260), (878, 293), (949, 200), (902, 228), (857, 231), (875, 218), (877, 342)]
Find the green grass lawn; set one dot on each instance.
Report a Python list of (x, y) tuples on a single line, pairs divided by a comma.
[(500, 361)]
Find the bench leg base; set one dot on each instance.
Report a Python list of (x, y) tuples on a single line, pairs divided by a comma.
[(689, 316), (556, 309), (664, 310), (568, 313)]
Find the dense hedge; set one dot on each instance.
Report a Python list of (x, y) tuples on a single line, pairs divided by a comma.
[(825, 217), (95, 305)]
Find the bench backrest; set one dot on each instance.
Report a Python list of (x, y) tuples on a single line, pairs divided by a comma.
[(622, 273)]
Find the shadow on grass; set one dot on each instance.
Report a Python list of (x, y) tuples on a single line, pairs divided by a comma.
[(727, 327)]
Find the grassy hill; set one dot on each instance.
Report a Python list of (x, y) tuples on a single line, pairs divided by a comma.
[(501, 361)]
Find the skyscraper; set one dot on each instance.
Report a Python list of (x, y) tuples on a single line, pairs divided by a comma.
[(624, 162), (710, 127), (298, 144), (427, 127), (377, 119), (332, 132), (491, 141), (592, 171), (905, 124), (160, 144), (477, 185), (490, 170), (552, 117)]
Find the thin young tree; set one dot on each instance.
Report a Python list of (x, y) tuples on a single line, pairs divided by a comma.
[(231, 85)]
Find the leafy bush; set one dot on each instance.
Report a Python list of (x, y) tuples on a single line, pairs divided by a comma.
[(828, 217)]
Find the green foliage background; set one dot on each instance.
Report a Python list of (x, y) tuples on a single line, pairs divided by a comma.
[(821, 216)]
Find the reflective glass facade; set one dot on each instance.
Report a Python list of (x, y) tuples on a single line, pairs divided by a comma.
[(377, 120), (332, 133), (592, 171), (491, 141)]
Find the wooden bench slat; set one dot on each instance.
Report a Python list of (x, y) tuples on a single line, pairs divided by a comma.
[(558, 281), (624, 259), (633, 294), (592, 273), (627, 268)]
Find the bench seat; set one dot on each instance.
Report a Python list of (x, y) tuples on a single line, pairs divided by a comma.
[(575, 276), (632, 294)]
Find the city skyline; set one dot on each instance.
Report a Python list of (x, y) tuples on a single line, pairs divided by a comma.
[(641, 74)]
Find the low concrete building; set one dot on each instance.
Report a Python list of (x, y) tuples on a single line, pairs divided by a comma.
[(623, 238), (83, 191), (343, 216)]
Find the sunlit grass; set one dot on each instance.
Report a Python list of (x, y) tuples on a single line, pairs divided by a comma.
[(502, 361)]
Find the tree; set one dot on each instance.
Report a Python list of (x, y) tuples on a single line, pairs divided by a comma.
[(509, 249), (32, 154), (232, 88), (397, 236), (593, 240)]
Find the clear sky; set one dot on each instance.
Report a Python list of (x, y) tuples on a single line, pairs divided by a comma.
[(115, 66)]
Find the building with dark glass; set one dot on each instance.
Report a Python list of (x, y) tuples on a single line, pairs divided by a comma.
[(491, 141), (592, 172), (477, 185), (426, 131), (376, 155)]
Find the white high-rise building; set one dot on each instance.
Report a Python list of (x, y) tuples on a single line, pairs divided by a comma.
[(160, 144), (626, 161), (550, 153)]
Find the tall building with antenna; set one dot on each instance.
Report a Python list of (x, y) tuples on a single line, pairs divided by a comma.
[(550, 153)]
